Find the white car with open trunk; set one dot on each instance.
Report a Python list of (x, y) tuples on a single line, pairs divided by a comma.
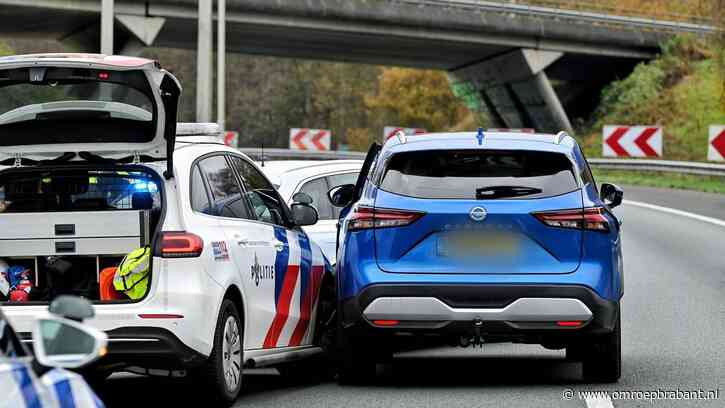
[(219, 273)]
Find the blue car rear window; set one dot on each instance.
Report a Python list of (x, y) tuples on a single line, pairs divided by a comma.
[(479, 174)]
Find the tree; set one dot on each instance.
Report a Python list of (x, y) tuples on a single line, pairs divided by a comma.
[(415, 98)]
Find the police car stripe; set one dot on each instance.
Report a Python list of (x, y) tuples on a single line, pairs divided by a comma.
[(305, 263), (280, 263), (83, 394), (64, 394), (285, 280), (27, 389), (305, 288), (309, 299), (283, 306)]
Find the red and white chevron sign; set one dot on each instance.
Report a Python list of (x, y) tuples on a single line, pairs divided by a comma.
[(716, 143), (390, 131), (310, 139), (632, 141), (231, 138)]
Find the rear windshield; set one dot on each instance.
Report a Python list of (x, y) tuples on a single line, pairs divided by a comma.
[(67, 105), (478, 174), (78, 191)]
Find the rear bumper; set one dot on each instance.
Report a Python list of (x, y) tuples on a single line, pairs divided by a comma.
[(528, 313), (149, 347)]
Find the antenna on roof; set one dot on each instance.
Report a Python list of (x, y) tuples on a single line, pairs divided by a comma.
[(262, 158)]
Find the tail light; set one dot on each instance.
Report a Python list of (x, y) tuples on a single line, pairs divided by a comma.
[(179, 245), (586, 218), (367, 217)]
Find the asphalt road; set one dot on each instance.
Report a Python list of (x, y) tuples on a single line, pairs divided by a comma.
[(673, 338)]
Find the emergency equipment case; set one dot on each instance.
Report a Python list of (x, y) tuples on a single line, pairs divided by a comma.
[(96, 234)]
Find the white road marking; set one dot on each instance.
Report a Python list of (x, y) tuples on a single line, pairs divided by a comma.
[(599, 402), (681, 213)]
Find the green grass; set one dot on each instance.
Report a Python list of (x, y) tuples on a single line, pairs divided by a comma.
[(681, 91), (711, 184)]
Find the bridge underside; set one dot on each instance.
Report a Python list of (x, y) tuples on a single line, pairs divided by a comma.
[(526, 72)]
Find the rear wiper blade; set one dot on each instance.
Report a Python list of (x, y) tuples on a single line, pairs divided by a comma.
[(492, 192)]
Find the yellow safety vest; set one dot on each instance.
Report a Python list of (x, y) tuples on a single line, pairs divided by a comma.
[(132, 274)]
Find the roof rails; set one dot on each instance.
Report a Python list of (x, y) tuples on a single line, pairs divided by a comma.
[(402, 138), (560, 136)]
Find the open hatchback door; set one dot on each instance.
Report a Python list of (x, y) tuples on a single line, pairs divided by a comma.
[(58, 108)]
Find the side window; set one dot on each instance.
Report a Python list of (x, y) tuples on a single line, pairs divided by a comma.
[(317, 189), (199, 198), (266, 203), (226, 194), (339, 180)]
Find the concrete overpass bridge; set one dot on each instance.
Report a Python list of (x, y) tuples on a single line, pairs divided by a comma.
[(528, 66)]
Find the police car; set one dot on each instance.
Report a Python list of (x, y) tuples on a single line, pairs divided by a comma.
[(195, 264), (315, 178), (60, 341)]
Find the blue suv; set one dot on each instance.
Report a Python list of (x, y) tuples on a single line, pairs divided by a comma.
[(465, 238)]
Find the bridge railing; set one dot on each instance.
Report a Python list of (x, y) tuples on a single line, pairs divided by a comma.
[(603, 16), (693, 11)]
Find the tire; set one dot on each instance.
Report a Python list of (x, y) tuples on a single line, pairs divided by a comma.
[(222, 372), (602, 360), (356, 365)]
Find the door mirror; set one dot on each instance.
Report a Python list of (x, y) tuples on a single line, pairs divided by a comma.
[(304, 214), (612, 194), (302, 198), (66, 343), (72, 307), (341, 196)]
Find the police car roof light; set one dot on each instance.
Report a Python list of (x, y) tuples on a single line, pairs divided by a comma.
[(198, 129)]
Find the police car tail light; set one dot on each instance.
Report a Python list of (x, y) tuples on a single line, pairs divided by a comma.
[(587, 218), (367, 218), (180, 245)]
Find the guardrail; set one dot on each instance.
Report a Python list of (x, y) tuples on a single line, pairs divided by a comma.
[(706, 169), (288, 154), (539, 11)]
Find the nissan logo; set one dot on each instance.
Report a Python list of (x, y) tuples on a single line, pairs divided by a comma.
[(478, 214)]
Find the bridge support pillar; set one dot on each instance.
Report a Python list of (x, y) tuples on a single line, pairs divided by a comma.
[(515, 90), (130, 36)]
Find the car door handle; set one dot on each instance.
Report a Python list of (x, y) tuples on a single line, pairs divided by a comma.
[(278, 245)]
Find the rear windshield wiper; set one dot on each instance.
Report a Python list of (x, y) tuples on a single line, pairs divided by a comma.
[(493, 192)]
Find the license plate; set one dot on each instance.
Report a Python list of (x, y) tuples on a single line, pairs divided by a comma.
[(477, 244)]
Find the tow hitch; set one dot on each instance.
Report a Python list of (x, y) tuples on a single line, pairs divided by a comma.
[(475, 339)]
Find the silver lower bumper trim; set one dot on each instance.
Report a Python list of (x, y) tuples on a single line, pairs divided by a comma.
[(434, 310)]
